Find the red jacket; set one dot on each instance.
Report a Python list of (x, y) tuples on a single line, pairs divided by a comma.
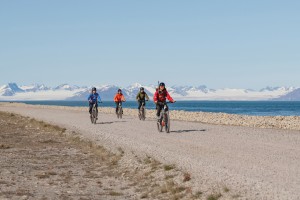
[(119, 97), (162, 96)]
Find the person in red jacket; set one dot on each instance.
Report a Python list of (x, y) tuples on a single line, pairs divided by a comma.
[(160, 97), (119, 98)]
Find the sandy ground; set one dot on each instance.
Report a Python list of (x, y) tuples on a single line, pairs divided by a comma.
[(238, 162)]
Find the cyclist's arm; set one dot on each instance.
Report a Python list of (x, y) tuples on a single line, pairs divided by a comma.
[(169, 97), (138, 96), (155, 97), (147, 97), (99, 98), (89, 98)]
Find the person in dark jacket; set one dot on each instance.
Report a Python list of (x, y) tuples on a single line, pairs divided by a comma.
[(142, 97)]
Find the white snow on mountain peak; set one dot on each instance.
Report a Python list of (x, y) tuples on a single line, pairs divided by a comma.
[(66, 87), (12, 91)]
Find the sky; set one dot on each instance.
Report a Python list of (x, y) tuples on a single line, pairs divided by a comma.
[(217, 43)]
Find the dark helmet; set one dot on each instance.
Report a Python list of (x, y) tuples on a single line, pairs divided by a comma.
[(162, 84), (94, 89), (119, 90), (142, 89)]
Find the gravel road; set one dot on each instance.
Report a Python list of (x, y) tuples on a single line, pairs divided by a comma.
[(252, 163)]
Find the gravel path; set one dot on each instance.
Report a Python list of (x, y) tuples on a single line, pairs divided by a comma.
[(252, 163)]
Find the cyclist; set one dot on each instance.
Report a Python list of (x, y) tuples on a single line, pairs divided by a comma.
[(93, 98), (119, 98), (160, 97), (142, 97)]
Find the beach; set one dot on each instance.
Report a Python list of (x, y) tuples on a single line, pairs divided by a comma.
[(233, 156)]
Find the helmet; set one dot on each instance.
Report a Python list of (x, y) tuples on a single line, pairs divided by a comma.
[(141, 89), (94, 89), (162, 84), (119, 90)]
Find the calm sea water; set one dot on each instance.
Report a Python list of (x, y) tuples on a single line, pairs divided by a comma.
[(258, 108)]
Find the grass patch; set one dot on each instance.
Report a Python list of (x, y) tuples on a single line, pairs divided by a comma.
[(198, 194), (4, 146), (226, 189), (144, 196), (169, 167), (112, 193), (214, 196)]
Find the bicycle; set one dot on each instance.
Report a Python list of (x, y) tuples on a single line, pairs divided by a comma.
[(94, 114), (142, 112), (119, 110), (164, 118)]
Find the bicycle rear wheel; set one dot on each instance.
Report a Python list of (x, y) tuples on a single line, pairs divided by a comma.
[(120, 110), (143, 114), (94, 116), (167, 123)]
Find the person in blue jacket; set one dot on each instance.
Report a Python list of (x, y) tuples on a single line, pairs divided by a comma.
[(93, 98)]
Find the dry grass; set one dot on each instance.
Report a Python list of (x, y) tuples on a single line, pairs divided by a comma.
[(64, 159), (226, 189), (214, 196), (169, 167), (113, 193), (4, 146)]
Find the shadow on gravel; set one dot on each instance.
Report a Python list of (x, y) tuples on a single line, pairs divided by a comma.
[(104, 122), (186, 131), (110, 122)]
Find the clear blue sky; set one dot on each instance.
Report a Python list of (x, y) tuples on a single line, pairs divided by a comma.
[(232, 43)]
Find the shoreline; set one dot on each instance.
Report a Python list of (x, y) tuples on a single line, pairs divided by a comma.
[(265, 122)]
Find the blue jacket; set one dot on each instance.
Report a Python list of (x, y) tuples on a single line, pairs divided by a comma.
[(94, 97)]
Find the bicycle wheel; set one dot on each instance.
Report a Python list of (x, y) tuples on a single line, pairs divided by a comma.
[(167, 123), (120, 113), (159, 127), (140, 114), (143, 114), (94, 117)]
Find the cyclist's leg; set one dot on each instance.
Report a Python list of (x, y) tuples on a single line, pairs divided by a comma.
[(97, 109), (158, 110), (90, 108), (117, 104), (140, 104), (121, 106)]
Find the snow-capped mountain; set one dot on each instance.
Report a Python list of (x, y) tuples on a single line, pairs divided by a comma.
[(67, 87), (12, 92), (10, 89), (291, 96), (34, 87)]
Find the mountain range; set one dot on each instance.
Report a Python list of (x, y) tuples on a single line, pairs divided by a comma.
[(14, 92)]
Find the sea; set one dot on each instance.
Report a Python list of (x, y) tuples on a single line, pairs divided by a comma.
[(255, 108)]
